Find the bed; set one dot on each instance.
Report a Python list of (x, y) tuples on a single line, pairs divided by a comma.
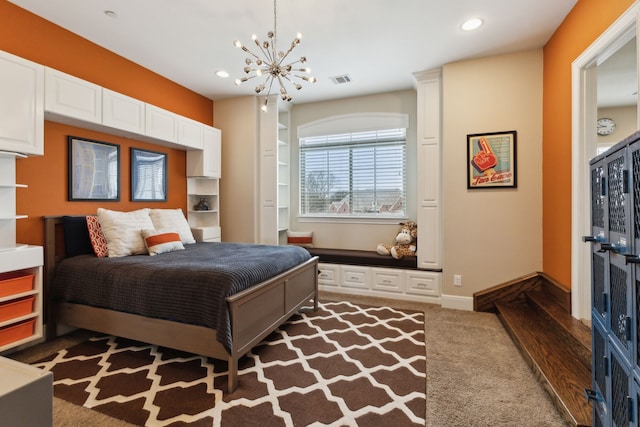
[(244, 317)]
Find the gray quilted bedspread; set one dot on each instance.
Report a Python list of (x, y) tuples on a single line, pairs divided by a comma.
[(187, 286)]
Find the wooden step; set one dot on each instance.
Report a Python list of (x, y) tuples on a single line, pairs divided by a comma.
[(577, 334), (559, 367)]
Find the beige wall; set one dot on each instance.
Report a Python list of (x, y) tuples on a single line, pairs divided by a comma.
[(492, 236), (354, 235), (238, 187)]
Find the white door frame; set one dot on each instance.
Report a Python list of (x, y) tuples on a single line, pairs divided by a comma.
[(583, 148)]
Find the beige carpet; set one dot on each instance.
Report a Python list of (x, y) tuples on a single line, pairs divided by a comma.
[(475, 375)]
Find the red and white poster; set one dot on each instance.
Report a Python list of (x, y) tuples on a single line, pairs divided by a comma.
[(491, 160)]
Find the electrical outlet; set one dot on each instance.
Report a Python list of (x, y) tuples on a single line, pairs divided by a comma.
[(457, 280)]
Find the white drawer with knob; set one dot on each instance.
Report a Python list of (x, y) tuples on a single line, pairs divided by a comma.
[(354, 276), (388, 279), (423, 283), (328, 274)]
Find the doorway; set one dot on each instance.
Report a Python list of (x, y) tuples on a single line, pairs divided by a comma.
[(601, 56)]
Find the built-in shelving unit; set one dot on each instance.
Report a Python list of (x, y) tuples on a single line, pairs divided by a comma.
[(20, 268), (205, 224), (283, 159), (274, 174), (8, 188)]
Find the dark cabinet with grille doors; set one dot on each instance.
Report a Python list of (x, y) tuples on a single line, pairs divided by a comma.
[(615, 284)]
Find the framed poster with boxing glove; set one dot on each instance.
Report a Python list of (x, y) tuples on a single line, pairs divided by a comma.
[(491, 160)]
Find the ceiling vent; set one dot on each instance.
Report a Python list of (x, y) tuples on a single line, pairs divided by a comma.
[(339, 80)]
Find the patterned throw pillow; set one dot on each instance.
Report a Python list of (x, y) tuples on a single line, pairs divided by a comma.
[(161, 241), (98, 240)]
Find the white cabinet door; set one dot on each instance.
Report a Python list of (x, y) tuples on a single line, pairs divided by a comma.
[(21, 105), (206, 162), (122, 112), (190, 133), (69, 96), (161, 124), (269, 174), (212, 149), (429, 153)]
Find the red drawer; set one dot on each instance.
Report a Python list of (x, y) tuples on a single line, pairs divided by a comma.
[(16, 308), (15, 284), (16, 332)]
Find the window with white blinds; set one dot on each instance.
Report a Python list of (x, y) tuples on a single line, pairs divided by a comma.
[(361, 174)]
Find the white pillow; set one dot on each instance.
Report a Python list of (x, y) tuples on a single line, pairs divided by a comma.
[(161, 241), (123, 231), (172, 219)]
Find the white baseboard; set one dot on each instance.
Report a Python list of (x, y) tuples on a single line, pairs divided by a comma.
[(456, 302)]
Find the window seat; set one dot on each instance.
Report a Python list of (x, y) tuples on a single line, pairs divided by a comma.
[(365, 258)]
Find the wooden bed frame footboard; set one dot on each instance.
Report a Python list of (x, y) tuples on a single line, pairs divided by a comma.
[(255, 312)]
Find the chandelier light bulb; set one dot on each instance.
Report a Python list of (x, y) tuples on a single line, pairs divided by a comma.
[(272, 63)]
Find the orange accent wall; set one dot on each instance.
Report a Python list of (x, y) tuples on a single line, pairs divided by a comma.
[(583, 25), (31, 37), (46, 178)]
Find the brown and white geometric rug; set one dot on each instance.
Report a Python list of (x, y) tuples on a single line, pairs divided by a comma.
[(343, 365)]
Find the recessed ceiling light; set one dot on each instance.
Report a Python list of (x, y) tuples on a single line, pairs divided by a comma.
[(222, 74), (472, 24), (110, 13)]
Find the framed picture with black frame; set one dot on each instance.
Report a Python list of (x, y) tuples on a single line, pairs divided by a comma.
[(93, 170), (148, 175), (491, 160)]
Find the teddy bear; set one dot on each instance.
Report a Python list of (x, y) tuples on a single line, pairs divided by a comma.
[(405, 242)]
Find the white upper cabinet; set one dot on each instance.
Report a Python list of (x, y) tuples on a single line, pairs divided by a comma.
[(21, 105), (206, 162), (161, 124), (190, 133), (122, 112), (69, 96), (30, 92)]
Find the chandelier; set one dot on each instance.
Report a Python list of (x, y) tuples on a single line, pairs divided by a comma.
[(273, 64)]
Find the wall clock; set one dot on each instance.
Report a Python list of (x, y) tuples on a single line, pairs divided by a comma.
[(606, 126)]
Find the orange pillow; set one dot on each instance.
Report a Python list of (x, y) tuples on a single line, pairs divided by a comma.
[(162, 241), (300, 238)]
